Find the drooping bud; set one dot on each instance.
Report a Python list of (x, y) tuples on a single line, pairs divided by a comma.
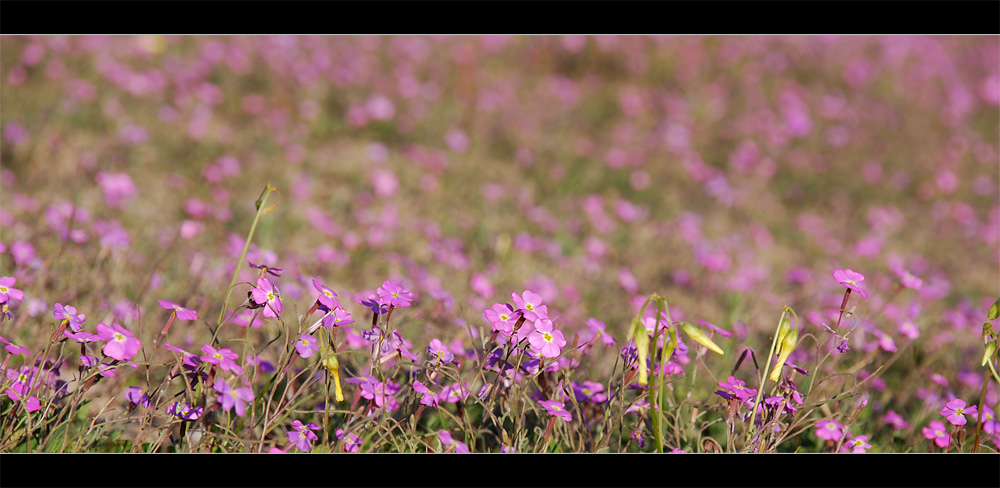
[(787, 345), (991, 348), (638, 332), (786, 325), (700, 337)]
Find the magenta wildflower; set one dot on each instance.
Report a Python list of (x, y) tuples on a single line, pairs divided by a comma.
[(276, 272), (69, 313), (185, 411), (337, 316), (265, 293), (829, 430), (851, 279), (502, 316), (392, 293), (352, 443), (556, 409), (233, 397), (545, 340), (137, 396), (446, 440), (223, 357), (955, 411), (598, 328), (31, 404), (895, 420), (938, 433), (735, 387), (428, 397), (858, 444), (82, 336), (439, 353), (121, 344), (7, 290), (182, 313), (454, 393), (302, 435), (307, 345), (589, 391), (327, 297), (530, 304), (13, 348)]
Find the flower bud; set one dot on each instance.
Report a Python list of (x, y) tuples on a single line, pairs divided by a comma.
[(787, 345), (700, 337), (995, 310), (991, 348), (786, 325)]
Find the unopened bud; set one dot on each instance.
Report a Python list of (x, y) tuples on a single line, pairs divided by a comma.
[(991, 348), (700, 337), (787, 345), (995, 310)]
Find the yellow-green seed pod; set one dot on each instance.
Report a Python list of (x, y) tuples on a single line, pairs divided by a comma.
[(786, 325), (700, 337), (991, 348), (642, 348), (995, 310), (787, 345)]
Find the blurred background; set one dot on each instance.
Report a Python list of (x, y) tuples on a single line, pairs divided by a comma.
[(731, 174)]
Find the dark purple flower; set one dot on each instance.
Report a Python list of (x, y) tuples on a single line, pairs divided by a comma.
[(185, 411), (276, 272), (137, 396)]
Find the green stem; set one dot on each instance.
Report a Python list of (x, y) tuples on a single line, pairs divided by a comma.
[(246, 246), (763, 379)]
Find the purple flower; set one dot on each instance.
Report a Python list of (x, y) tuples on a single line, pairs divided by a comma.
[(956, 411), (372, 302), (233, 397), (182, 313), (556, 409), (895, 420), (502, 316), (446, 440), (69, 313), (7, 290), (137, 396), (589, 391), (454, 393), (185, 411), (858, 444), (439, 353), (121, 344), (327, 297), (265, 293), (829, 430), (223, 357), (352, 443), (276, 272), (393, 294), (598, 328), (736, 388), (938, 433), (302, 435), (14, 349), (428, 397), (545, 340), (851, 279), (530, 304), (337, 316), (307, 345)]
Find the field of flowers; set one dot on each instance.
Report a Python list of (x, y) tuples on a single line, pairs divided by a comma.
[(700, 244)]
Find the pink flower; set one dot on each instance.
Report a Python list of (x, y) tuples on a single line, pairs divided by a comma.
[(392, 293), (234, 397), (859, 444), (121, 344), (222, 357), (182, 313), (530, 305), (7, 290), (556, 409), (327, 297), (851, 279), (829, 430), (955, 411), (938, 433), (302, 435), (307, 345), (546, 340), (265, 293)]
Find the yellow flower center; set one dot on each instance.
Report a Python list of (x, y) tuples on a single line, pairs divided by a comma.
[(3, 289), (547, 336), (529, 307), (119, 337)]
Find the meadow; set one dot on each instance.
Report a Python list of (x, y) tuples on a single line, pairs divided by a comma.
[(451, 244)]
